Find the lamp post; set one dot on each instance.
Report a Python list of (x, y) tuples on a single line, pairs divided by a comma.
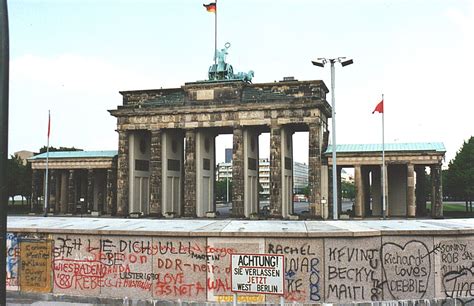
[(320, 63), (4, 81)]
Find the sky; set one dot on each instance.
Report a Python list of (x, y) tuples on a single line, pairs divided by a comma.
[(72, 57)]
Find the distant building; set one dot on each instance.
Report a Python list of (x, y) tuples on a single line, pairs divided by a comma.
[(264, 176), (224, 171), (300, 175), (347, 177), (228, 155), (24, 155)]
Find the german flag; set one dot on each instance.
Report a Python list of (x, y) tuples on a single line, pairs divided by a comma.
[(211, 7)]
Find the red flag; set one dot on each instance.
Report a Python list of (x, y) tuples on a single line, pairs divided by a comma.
[(49, 124), (211, 7), (379, 107)]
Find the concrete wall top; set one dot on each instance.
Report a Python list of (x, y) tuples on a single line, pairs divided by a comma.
[(239, 228)]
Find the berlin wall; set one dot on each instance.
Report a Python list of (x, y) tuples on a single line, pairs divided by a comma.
[(320, 269)]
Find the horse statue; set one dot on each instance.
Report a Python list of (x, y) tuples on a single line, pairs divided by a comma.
[(245, 76)]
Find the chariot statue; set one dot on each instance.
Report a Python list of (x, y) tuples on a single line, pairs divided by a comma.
[(221, 70)]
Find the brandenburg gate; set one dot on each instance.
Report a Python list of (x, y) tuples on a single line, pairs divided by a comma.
[(166, 156)]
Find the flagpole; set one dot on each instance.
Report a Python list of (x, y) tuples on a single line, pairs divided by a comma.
[(46, 179), (384, 204), (215, 35)]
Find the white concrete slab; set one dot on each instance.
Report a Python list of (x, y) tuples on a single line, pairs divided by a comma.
[(264, 228), (242, 228)]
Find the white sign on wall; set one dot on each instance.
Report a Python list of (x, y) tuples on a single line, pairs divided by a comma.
[(257, 273)]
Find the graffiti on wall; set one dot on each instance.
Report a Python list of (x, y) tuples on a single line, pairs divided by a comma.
[(171, 267), (198, 268), (353, 270), (407, 269), (13, 253), (456, 266), (303, 268), (219, 275)]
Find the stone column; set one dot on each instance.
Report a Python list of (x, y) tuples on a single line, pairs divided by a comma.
[(90, 190), (35, 189), (436, 192), (155, 173), (110, 192), (57, 188), (51, 190), (326, 183), (71, 193), (339, 190), (420, 190), (123, 174), (384, 172), (376, 191), (275, 172), (411, 202), (238, 173), (325, 188), (330, 197), (359, 192), (205, 172), (190, 174), (286, 153), (314, 170), (365, 171), (64, 189)]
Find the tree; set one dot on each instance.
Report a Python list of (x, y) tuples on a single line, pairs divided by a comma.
[(460, 174), (53, 149), (14, 173), (221, 190), (24, 187), (348, 190), (305, 191)]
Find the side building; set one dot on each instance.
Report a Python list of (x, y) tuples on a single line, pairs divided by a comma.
[(80, 182)]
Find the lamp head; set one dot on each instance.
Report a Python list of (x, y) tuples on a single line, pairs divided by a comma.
[(347, 63), (319, 64)]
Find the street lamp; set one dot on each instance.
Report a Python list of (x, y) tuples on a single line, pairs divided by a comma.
[(320, 63)]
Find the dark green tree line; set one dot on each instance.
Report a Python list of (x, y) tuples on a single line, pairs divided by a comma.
[(19, 179), (460, 175)]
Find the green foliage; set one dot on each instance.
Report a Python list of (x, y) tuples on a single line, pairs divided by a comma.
[(221, 190), (53, 149), (348, 190), (18, 178), (460, 175), (305, 191)]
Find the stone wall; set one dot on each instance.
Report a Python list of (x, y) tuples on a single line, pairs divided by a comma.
[(187, 268)]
